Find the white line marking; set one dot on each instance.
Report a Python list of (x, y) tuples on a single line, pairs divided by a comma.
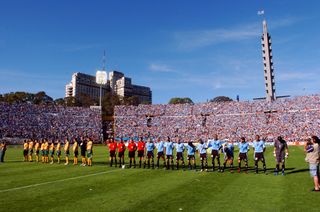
[(57, 181)]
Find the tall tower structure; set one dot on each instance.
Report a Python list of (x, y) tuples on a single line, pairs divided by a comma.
[(268, 64)]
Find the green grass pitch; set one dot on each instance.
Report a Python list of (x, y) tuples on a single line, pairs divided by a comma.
[(31, 186)]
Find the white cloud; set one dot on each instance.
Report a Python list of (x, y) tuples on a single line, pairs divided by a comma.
[(288, 76), (284, 22), (193, 39), (201, 38), (160, 68), (81, 47)]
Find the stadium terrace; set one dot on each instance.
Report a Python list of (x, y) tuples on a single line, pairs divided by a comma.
[(48, 121), (293, 118)]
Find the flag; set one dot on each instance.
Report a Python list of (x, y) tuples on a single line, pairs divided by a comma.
[(261, 12)]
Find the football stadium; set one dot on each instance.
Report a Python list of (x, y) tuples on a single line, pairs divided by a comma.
[(116, 143), (152, 181)]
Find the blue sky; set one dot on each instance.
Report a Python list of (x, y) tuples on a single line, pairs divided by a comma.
[(180, 48)]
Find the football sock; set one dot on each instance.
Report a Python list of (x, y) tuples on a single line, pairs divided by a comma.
[(256, 166), (172, 164)]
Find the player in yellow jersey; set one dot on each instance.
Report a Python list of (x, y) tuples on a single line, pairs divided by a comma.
[(58, 148), (25, 150), (66, 151), (46, 152), (36, 150), (42, 150), (51, 151), (89, 152), (31, 143), (75, 152)]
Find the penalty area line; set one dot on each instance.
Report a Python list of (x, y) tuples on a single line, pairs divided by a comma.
[(57, 181)]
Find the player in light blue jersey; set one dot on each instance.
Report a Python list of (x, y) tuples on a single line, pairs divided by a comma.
[(191, 149), (179, 149), (160, 148), (259, 148), (243, 154), (202, 149), (215, 146), (150, 156), (169, 146), (228, 150)]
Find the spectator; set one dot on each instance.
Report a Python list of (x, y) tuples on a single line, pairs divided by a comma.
[(3, 149), (312, 157)]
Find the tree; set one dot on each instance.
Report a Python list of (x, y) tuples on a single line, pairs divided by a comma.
[(221, 99), (145, 103), (85, 100), (41, 97), (71, 101), (178, 100), (132, 100), (60, 101), (108, 102)]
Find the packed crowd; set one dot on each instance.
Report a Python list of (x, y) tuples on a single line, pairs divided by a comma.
[(48, 121), (293, 118)]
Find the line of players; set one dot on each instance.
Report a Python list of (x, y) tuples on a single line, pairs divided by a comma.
[(165, 149), (165, 152), (48, 150)]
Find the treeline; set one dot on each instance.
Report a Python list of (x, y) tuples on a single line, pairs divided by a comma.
[(108, 101), (21, 97), (187, 100)]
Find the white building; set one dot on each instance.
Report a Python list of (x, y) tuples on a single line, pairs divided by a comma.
[(117, 83)]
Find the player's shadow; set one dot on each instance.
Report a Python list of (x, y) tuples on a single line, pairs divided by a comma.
[(292, 170), (101, 163), (297, 171)]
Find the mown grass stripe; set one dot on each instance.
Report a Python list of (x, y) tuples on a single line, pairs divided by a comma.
[(57, 181)]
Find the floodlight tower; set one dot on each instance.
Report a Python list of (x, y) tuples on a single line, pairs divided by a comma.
[(101, 77)]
